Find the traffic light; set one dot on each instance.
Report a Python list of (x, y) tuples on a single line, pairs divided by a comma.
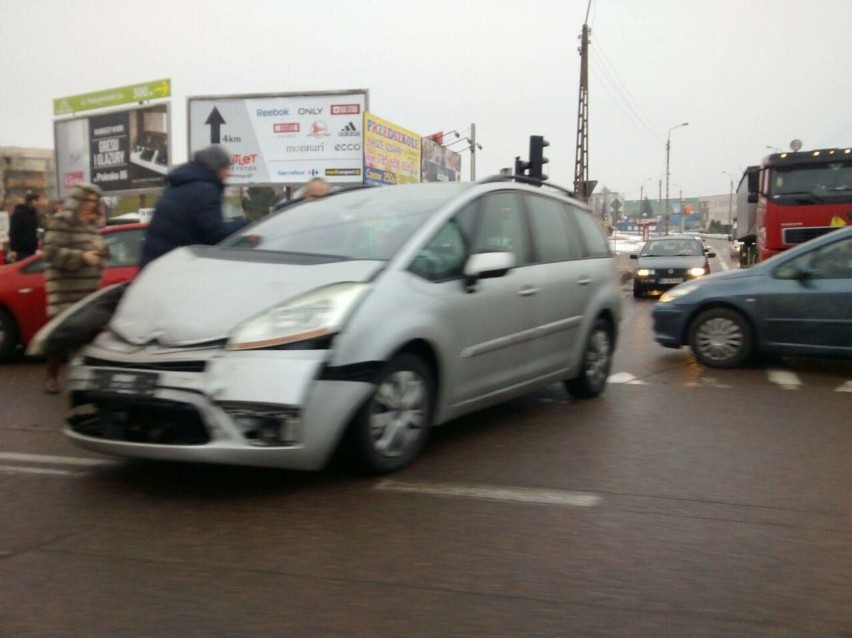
[(537, 158), (521, 167)]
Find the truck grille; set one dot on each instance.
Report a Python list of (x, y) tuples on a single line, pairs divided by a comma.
[(801, 235)]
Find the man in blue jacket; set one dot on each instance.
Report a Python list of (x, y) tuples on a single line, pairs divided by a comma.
[(190, 209)]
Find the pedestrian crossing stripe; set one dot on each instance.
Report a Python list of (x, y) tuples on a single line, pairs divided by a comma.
[(786, 379)]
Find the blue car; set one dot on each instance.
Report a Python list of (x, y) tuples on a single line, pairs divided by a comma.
[(796, 303)]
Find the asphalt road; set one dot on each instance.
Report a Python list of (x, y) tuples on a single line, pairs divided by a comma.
[(683, 502)]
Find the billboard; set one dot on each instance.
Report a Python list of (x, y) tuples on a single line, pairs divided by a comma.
[(285, 138), (439, 164), (112, 97), (119, 151), (391, 153)]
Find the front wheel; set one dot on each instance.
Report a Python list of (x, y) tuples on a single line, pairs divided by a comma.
[(391, 428), (597, 360), (720, 338)]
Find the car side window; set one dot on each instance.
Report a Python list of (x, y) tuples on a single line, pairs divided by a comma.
[(502, 226), (594, 239), (553, 238), (833, 261), (444, 256), (125, 248)]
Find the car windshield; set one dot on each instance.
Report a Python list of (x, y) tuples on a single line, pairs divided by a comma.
[(672, 248), (369, 223)]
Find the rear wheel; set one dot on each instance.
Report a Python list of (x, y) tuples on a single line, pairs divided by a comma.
[(597, 360), (391, 428), (8, 335), (720, 338), (637, 291)]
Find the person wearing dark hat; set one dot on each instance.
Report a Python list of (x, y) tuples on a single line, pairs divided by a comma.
[(23, 228), (190, 208)]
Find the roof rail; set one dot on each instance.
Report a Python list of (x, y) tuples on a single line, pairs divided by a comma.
[(534, 181)]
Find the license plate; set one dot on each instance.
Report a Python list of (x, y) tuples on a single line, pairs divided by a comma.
[(671, 280), (138, 383)]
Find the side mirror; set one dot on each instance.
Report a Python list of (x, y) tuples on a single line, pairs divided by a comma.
[(711, 253), (487, 266), (634, 256)]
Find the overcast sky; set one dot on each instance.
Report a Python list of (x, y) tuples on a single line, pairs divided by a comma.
[(745, 74)]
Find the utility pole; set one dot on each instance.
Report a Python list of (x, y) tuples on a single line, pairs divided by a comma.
[(582, 188), (473, 152)]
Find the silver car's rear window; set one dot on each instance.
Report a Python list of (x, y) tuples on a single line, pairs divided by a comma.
[(369, 223)]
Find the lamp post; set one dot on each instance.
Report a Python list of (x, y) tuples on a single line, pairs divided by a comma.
[(668, 149), (730, 205), (680, 192)]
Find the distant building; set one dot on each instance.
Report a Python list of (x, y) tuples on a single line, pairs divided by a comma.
[(26, 169)]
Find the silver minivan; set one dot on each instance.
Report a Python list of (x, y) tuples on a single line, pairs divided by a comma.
[(361, 319)]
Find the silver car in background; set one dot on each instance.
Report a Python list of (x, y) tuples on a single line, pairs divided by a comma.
[(360, 319)]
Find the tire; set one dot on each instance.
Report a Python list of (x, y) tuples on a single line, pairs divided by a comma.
[(637, 291), (597, 360), (392, 427), (8, 335), (720, 338)]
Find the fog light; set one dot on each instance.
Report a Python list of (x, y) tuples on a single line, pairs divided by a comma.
[(266, 425)]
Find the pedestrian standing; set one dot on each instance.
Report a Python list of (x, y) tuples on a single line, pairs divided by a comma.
[(23, 228), (75, 254), (190, 209)]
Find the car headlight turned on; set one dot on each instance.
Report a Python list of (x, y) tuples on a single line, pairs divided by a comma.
[(677, 292), (644, 272), (317, 314), (697, 272)]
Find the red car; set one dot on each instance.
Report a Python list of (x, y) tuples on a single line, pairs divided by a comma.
[(23, 302)]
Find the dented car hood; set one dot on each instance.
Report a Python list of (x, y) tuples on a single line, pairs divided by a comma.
[(200, 294)]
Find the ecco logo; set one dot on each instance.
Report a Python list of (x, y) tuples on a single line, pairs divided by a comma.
[(347, 147)]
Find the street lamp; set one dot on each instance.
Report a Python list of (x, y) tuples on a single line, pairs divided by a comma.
[(668, 149), (680, 191), (730, 205)]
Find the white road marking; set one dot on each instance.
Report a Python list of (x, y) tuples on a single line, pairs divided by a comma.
[(52, 460), (723, 264), (785, 378), (20, 469), (846, 387), (511, 494), (706, 382)]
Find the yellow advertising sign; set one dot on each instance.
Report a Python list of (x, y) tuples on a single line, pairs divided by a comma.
[(391, 153)]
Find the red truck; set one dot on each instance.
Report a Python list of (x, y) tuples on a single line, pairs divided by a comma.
[(791, 198)]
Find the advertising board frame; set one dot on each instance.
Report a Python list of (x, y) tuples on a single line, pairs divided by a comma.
[(260, 157)]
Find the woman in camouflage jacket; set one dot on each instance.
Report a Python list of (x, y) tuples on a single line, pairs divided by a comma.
[(74, 252)]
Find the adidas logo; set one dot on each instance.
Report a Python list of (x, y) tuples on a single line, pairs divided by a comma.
[(350, 130)]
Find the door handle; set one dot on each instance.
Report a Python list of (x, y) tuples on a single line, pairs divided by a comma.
[(585, 281), (25, 291), (528, 291)]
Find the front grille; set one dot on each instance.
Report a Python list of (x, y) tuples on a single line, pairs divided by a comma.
[(800, 235), (157, 366), (134, 420)]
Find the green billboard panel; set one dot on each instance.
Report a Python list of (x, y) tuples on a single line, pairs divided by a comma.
[(113, 97)]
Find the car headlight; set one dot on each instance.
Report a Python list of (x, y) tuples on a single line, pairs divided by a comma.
[(644, 272), (677, 292), (317, 314), (696, 272)]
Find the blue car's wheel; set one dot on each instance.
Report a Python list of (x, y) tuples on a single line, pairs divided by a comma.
[(720, 338)]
